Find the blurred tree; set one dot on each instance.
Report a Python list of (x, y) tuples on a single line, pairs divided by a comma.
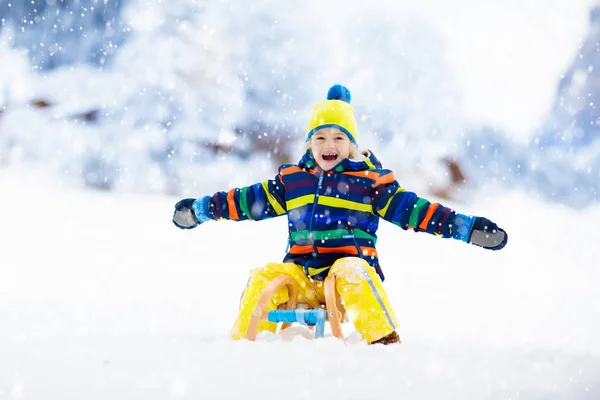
[(57, 32)]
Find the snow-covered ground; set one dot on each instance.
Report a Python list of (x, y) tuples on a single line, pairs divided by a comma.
[(101, 297)]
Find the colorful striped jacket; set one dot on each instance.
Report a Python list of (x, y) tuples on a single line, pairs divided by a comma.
[(333, 214)]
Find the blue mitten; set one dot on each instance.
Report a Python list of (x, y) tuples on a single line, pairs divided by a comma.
[(189, 213), (479, 231)]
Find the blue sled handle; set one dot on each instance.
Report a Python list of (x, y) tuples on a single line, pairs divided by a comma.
[(315, 317)]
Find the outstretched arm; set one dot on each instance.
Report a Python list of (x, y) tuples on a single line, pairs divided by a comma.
[(260, 201), (409, 211)]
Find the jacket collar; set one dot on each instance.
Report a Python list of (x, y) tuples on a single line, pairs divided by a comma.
[(365, 161)]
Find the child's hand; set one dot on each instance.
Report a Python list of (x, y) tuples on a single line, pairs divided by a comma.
[(479, 231), (189, 213), (488, 235), (184, 216)]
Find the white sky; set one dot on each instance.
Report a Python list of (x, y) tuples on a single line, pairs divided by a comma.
[(101, 297)]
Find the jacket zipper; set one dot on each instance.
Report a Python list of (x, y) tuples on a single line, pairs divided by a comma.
[(312, 214)]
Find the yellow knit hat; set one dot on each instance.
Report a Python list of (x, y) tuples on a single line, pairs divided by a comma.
[(335, 112)]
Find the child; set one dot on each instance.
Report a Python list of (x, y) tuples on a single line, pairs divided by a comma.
[(333, 199)]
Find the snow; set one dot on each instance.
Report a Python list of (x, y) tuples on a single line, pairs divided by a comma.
[(102, 297)]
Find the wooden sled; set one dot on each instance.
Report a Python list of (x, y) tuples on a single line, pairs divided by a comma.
[(332, 311)]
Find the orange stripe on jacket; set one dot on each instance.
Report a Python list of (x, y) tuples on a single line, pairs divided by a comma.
[(387, 178), (363, 174), (366, 251), (295, 249), (428, 215), (290, 170), (231, 205)]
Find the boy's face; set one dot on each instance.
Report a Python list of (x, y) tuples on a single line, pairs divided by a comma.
[(329, 146)]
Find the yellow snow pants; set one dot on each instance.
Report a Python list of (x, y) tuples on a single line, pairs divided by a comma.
[(360, 288)]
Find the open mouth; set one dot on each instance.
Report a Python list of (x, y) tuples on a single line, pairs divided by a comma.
[(329, 156)]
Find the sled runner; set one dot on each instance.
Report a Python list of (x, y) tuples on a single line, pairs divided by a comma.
[(332, 311)]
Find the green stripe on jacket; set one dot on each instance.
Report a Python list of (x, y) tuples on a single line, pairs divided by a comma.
[(244, 203), (332, 234), (414, 215)]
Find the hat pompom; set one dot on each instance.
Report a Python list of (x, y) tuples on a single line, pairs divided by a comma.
[(339, 92)]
